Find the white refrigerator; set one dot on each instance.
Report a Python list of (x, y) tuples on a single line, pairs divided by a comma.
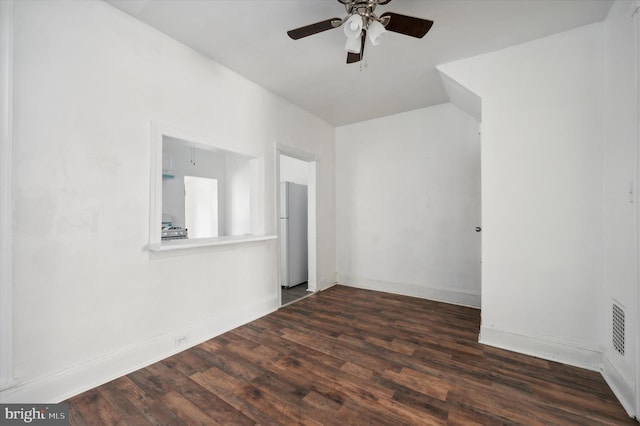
[(294, 268)]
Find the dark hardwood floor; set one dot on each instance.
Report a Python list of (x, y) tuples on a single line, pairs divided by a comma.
[(349, 356)]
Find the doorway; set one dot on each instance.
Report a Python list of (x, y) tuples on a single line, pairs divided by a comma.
[(201, 206), (296, 183)]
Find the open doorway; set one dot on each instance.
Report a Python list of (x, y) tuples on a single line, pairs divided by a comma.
[(201, 206), (296, 227)]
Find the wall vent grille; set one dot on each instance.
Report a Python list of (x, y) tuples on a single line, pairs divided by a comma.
[(618, 329)]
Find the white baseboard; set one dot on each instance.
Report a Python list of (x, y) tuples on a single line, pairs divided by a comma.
[(64, 384), (405, 289), (621, 387), (571, 353), (545, 347)]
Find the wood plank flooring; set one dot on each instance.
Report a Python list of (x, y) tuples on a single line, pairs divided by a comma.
[(348, 356)]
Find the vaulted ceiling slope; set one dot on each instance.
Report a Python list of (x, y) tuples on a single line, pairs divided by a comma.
[(249, 37)]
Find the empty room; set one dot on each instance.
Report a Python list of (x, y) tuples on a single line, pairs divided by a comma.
[(319, 211)]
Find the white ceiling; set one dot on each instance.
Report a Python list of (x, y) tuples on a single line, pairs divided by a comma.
[(249, 37)]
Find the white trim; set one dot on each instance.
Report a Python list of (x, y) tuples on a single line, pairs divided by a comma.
[(276, 215), (296, 153), (6, 193), (64, 384), (209, 242), (619, 384), (619, 391), (441, 295), (546, 347), (312, 225), (156, 131)]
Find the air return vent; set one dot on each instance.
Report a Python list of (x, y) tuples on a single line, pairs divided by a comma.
[(618, 329)]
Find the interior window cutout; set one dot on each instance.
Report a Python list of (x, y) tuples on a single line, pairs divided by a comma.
[(207, 192)]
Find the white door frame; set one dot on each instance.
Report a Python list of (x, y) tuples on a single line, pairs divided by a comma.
[(312, 194), (636, 187), (6, 193)]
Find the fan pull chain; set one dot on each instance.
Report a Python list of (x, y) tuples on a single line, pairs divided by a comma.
[(364, 63)]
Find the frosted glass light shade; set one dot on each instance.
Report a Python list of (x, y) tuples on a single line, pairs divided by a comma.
[(353, 26), (353, 44), (375, 32)]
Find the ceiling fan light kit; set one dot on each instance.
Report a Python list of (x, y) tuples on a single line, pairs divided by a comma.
[(361, 23)]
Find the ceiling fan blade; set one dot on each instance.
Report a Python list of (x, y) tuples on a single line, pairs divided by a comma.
[(357, 57), (407, 25), (352, 58), (316, 28)]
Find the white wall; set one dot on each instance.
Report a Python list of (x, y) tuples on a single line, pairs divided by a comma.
[(408, 202), (90, 303), (620, 148), (238, 196), (294, 170), (542, 193)]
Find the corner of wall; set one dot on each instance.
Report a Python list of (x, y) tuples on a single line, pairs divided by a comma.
[(461, 96), (327, 281), (552, 349), (546, 347), (406, 289), (620, 386)]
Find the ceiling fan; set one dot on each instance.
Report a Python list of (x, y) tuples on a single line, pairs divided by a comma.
[(361, 22)]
